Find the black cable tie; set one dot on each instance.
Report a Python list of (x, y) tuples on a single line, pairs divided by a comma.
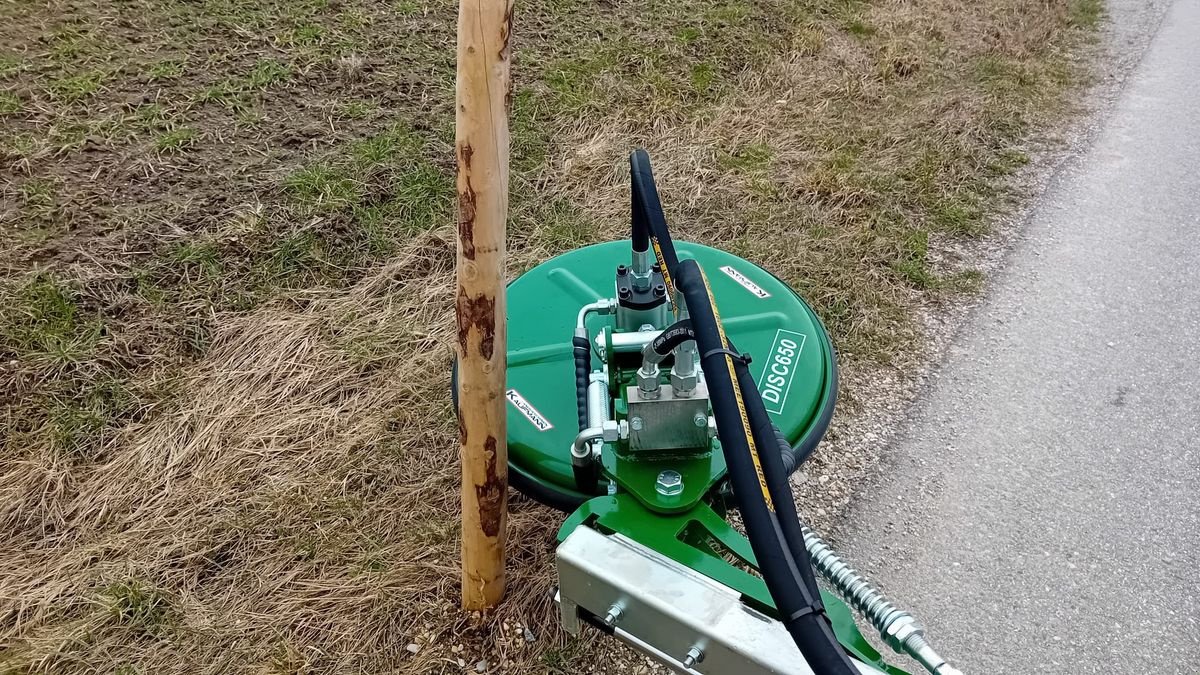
[(744, 360), (805, 611)]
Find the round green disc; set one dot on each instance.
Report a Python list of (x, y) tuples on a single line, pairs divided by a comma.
[(793, 362)]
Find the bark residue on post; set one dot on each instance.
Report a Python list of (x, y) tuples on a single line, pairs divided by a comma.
[(490, 493), (478, 312), (466, 202), (505, 33)]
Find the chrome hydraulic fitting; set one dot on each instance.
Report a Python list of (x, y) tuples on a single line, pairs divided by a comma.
[(647, 380)]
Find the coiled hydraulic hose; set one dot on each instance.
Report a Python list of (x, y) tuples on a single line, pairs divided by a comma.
[(760, 485)]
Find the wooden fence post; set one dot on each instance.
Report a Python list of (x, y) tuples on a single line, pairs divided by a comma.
[(484, 94)]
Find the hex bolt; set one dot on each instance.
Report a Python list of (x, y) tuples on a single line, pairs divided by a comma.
[(669, 483), (614, 615), (700, 420), (635, 423), (695, 655)]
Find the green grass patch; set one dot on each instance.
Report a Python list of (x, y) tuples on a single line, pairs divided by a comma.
[(323, 186), (560, 226), (165, 70), (11, 64), (198, 259), (233, 92), (958, 214), (175, 140), (266, 73), (749, 158), (687, 35), (1086, 14), (1004, 76), (859, 27), (75, 88), (913, 262), (406, 7), (305, 35), (356, 110), (78, 420), (136, 604), (41, 319), (10, 103), (703, 76), (296, 259)]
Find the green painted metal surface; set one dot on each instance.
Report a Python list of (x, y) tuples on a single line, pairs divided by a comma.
[(762, 315), (793, 367), (701, 540)]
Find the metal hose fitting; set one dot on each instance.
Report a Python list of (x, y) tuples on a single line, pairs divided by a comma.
[(899, 629)]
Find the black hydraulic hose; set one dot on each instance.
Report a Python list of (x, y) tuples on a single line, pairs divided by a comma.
[(787, 573), (767, 435), (764, 431), (648, 216), (641, 230), (666, 342)]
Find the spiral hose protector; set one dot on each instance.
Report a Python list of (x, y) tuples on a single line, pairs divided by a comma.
[(760, 486), (583, 366)]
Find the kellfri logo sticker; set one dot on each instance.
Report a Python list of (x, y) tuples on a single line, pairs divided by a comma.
[(526, 408), (746, 283)]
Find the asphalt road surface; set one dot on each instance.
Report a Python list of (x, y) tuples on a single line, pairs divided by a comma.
[(1041, 508)]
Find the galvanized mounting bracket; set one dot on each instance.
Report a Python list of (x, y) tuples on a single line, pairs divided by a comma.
[(671, 613), (699, 542)]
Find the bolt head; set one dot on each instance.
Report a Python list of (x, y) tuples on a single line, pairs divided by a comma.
[(635, 423), (669, 483), (700, 420)]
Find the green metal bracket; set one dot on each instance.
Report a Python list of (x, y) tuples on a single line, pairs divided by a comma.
[(702, 540)]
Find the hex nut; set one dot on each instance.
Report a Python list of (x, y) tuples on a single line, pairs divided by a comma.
[(684, 385), (899, 631)]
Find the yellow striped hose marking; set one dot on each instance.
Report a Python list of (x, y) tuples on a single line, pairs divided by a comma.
[(662, 266), (737, 393)]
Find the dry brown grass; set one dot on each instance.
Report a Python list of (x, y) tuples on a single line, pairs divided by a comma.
[(292, 508), (225, 282)]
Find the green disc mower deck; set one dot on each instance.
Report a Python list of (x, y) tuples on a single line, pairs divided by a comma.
[(793, 361)]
